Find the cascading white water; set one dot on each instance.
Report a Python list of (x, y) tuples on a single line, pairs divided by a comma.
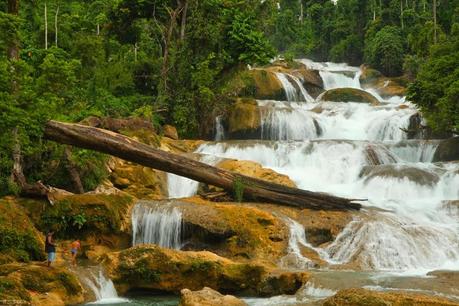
[(289, 89), (415, 150), (103, 289), (182, 187), (287, 121), (157, 224), (305, 96), (297, 239)]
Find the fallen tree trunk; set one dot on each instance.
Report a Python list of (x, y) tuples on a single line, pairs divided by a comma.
[(132, 150)]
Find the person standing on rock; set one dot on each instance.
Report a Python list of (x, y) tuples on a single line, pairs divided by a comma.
[(74, 248), (50, 247)]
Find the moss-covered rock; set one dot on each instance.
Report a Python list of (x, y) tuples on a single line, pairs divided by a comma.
[(419, 176), (447, 150), (239, 232), (137, 180), (154, 268), (87, 215), (254, 169), (386, 87), (348, 95), (19, 239), (265, 85), (39, 285), (244, 120), (363, 297), (208, 297)]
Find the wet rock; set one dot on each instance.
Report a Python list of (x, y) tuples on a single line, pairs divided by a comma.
[(386, 87), (38, 285), (366, 297), (244, 121), (254, 169), (101, 219), (348, 95), (236, 231), (263, 84), (208, 297), (150, 267), (19, 239), (419, 176), (139, 181), (447, 150), (170, 132)]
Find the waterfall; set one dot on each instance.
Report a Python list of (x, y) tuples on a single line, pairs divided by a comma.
[(287, 121), (157, 224), (290, 91), (356, 150), (182, 187), (305, 95), (219, 129), (103, 289), (297, 240)]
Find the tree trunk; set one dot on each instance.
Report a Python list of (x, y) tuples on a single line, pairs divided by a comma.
[(435, 20), (131, 150), (46, 28), (183, 22), (167, 41), (13, 49), (73, 171), (55, 24), (401, 13)]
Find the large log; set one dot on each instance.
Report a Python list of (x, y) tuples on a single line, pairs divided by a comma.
[(129, 149)]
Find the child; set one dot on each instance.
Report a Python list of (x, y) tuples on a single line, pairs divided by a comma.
[(74, 247)]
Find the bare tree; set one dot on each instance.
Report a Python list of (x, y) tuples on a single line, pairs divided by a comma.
[(46, 27), (55, 23), (435, 20)]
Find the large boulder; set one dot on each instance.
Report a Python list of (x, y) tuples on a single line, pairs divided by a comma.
[(208, 297), (364, 297), (348, 95), (34, 284), (254, 169), (137, 180), (244, 120), (264, 84), (235, 231), (419, 176), (170, 132), (19, 239), (100, 218), (447, 150), (386, 87), (150, 267)]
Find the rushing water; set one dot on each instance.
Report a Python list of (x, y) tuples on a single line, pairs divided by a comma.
[(103, 289), (358, 150), (157, 224), (354, 150)]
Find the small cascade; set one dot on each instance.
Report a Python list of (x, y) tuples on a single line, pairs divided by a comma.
[(415, 150), (340, 79), (158, 224), (219, 129), (305, 96), (289, 89), (287, 121), (103, 289), (297, 240), (180, 187), (396, 244)]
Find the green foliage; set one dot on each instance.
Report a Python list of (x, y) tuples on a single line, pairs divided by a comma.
[(238, 189), (69, 282), (139, 271), (436, 89), (249, 45), (385, 51), (22, 246)]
